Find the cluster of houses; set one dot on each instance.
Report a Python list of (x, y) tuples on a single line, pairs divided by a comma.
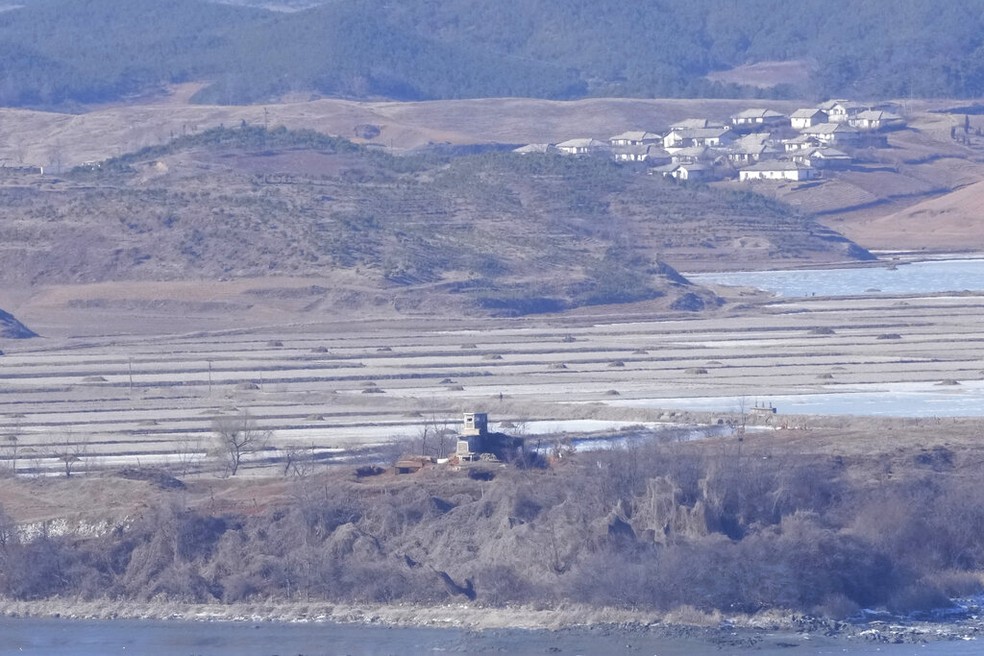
[(756, 144)]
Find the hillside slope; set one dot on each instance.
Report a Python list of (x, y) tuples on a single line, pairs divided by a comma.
[(503, 232), (64, 52)]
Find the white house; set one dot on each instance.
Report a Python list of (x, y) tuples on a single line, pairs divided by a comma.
[(686, 137), (690, 155), (800, 142), (635, 138), (692, 172), (696, 123), (582, 146), (530, 149), (777, 170), (758, 117), (841, 111), (640, 153), (806, 118), (823, 158), (873, 119), (751, 148), (833, 134)]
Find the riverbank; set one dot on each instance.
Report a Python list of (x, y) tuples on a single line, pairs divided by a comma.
[(773, 627)]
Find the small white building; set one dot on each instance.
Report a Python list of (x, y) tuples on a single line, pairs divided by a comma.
[(687, 137), (830, 134), (873, 119), (807, 118), (582, 147), (691, 172), (758, 118), (536, 149), (778, 171), (635, 138), (824, 158), (841, 111)]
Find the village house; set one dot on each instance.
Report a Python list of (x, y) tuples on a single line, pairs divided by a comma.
[(691, 172), (686, 137), (582, 147), (873, 119), (777, 170), (823, 158), (537, 149), (691, 155), (800, 142), (830, 134), (635, 138), (751, 148), (640, 153), (759, 118), (841, 111), (807, 118), (696, 124)]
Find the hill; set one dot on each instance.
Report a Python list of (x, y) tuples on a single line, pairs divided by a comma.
[(503, 232), (68, 53), (11, 328)]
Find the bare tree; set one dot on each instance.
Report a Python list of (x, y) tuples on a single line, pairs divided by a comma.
[(11, 443), (71, 453), (236, 438)]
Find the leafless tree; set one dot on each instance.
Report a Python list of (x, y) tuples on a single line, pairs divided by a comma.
[(10, 443), (71, 453), (236, 438)]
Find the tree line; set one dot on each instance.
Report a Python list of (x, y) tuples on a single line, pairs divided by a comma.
[(59, 53)]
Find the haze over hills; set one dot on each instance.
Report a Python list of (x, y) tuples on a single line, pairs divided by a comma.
[(63, 53)]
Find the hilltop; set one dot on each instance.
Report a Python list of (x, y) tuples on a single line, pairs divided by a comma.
[(495, 232)]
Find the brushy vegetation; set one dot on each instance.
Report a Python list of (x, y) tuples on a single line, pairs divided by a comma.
[(719, 526), (63, 52)]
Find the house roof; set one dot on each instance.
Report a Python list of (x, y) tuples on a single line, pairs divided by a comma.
[(655, 152), (829, 128), (827, 153), (635, 149), (876, 115), (806, 113), (800, 139), (534, 148), (702, 133), (636, 135), (757, 112), (582, 143), (846, 105), (754, 139), (695, 123), (696, 152)]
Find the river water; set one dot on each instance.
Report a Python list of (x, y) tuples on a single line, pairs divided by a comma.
[(64, 637), (892, 400), (928, 277)]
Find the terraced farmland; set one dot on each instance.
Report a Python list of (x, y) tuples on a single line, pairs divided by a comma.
[(334, 392)]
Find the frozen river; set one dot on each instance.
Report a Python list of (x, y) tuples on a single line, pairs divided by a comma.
[(929, 277)]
